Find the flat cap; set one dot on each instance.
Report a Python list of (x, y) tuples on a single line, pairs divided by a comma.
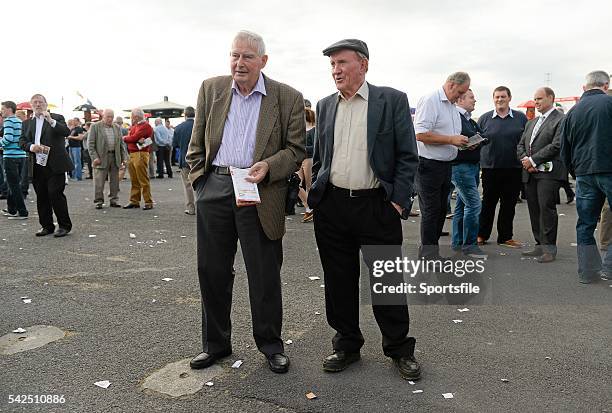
[(352, 44)]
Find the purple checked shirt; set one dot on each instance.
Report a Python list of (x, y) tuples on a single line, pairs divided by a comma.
[(238, 142)]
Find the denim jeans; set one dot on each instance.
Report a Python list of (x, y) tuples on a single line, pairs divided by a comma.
[(12, 173), (75, 156), (467, 208), (591, 193)]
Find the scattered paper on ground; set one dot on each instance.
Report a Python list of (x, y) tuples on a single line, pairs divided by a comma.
[(311, 396), (505, 380), (289, 342), (92, 236), (167, 279), (103, 384), (314, 278), (461, 310), (457, 321), (448, 395), (132, 235), (26, 300), (417, 391), (317, 313), (411, 383), (237, 364), (209, 383), (19, 330)]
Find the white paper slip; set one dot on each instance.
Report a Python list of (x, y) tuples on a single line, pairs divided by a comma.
[(244, 190), (472, 141), (103, 384), (147, 142), (447, 395), (417, 391), (545, 167), (237, 364), (41, 157)]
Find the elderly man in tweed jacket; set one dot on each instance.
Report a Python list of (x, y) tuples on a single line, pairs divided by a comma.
[(245, 120), (108, 154)]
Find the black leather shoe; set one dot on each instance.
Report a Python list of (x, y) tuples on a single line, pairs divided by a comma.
[(546, 258), (203, 360), (44, 231), (278, 363), (115, 205), (408, 367), (339, 361), (61, 233), (570, 197), (536, 252), (147, 207), (131, 206), (98, 206)]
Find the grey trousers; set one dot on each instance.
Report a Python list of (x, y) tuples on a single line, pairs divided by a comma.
[(220, 224), (605, 227), (100, 175)]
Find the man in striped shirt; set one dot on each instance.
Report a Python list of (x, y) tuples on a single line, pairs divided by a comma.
[(14, 158)]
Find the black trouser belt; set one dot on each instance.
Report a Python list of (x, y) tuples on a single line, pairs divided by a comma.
[(221, 170), (357, 193)]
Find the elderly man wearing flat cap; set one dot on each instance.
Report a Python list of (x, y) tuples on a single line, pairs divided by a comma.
[(364, 165)]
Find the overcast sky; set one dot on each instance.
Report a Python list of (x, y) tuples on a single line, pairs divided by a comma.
[(130, 53)]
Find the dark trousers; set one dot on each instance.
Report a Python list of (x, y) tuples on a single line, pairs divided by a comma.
[(163, 157), (433, 182), (542, 203), (25, 177), (501, 185), (12, 173), (220, 224), (342, 226), (50, 198)]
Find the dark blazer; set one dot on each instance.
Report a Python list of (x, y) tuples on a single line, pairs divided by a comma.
[(58, 162), (391, 145), (546, 147)]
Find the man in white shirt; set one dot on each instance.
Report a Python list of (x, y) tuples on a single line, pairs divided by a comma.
[(438, 132)]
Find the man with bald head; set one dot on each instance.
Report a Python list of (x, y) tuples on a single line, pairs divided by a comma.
[(139, 160), (108, 155), (543, 172)]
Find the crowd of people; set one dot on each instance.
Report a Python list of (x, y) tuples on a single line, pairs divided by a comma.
[(362, 160)]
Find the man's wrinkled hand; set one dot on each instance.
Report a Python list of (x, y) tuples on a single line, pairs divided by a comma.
[(459, 140), (526, 163), (398, 208), (36, 149), (257, 172), (96, 162), (241, 204)]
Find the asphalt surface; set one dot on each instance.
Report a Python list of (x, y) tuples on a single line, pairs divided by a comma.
[(545, 334)]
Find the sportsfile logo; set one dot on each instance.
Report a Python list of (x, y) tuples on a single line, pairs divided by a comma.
[(413, 267)]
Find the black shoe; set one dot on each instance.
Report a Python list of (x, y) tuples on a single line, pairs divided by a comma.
[(115, 205), (89, 177), (278, 363), (131, 206), (444, 234), (339, 361), (61, 233), (98, 206), (570, 197), (203, 360), (536, 252), (160, 177), (147, 207), (44, 231), (3, 196), (408, 367)]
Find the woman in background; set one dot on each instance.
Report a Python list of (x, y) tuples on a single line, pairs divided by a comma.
[(305, 171)]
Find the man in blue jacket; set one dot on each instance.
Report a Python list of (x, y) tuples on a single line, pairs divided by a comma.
[(181, 138), (587, 153)]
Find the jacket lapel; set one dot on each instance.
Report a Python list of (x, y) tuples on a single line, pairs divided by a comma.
[(375, 109), (332, 108), (268, 114)]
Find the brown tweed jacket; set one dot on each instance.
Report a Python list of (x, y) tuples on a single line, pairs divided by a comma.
[(280, 140)]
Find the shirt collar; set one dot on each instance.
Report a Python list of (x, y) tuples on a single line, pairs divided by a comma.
[(496, 115), (442, 95), (260, 86), (363, 91), (548, 112), (465, 113)]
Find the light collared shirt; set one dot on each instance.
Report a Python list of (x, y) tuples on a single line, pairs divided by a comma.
[(109, 135), (536, 128), (464, 113), (350, 166), (40, 121), (240, 131), (495, 114), (436, 114)]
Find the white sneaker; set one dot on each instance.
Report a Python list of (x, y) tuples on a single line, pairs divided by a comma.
[(8, 214)]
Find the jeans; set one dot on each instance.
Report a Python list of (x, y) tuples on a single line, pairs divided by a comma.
[(75, 156), (591, 193), (12, 172), (467, 208)]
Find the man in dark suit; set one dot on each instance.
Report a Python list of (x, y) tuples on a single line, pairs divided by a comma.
[(41, 131), (364, 164), (246, 120), (543, 172)]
